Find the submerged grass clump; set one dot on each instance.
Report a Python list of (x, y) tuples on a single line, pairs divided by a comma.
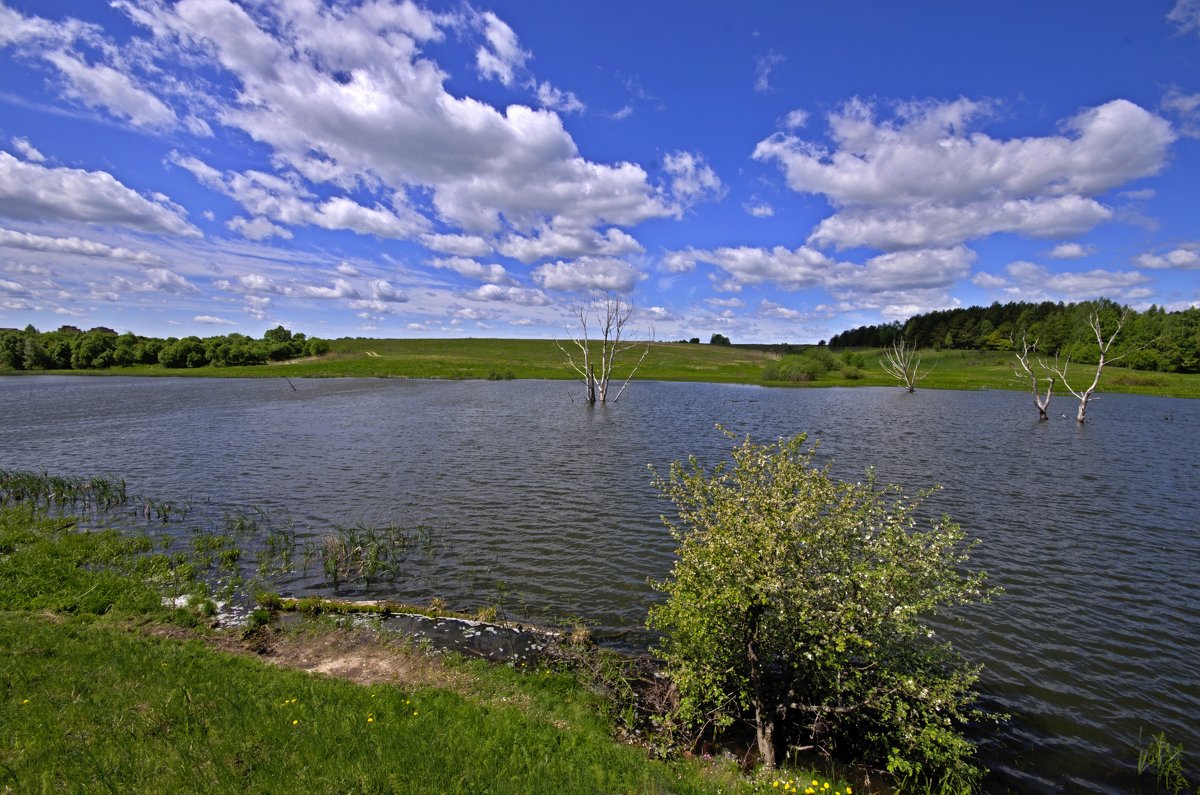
[(54, 491), (1164, 759), (365, 553)]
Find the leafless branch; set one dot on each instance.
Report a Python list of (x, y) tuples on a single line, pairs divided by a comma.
[(1041, 402), (1104, 345), (903, 363), (612, 316)]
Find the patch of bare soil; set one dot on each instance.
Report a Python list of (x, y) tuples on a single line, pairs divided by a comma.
[(361, 656), (358, 655)]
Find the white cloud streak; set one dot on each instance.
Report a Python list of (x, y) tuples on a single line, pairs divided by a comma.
[(1186, 15), (30, 191), (763, 66), (1072, 251), (10, 238), (1185, 257), (501, 57), (28, 150)]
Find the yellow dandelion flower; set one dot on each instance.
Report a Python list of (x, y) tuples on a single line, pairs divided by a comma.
[(26, 701), (370, 719), (295, 722)]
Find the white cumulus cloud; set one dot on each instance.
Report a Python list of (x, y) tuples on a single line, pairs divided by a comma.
[(1185, 257), (1072, 251), (927, 178), (555, 99), (104, 86), (30, 191), (588, 273), (524, 296), (1033, 278), (343, 96), (465, 266), (691, 178)]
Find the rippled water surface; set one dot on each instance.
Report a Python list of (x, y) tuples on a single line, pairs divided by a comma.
[(548, 506)]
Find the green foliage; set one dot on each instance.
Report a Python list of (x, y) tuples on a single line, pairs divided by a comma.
[(316, 347), (1165, 760), (800, 603), (1151, 340), (277, 334), (805, 367), (99, 349), (719, 339)]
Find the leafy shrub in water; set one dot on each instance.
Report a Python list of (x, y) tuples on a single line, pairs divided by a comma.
[(798, 603)]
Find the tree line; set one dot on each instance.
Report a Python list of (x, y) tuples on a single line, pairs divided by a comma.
[(1155, 339), (100, 348)]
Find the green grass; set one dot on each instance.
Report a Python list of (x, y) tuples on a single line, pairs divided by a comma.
[(106, 690), (501, 359), (92, 707), (496, 359), (970, 370)]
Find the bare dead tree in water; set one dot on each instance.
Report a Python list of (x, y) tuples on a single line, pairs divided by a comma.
[(903, 363), (610, 316), (1104, 344), (1026, 372)]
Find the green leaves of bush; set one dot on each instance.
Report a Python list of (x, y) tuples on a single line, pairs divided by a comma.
[(800, 604)]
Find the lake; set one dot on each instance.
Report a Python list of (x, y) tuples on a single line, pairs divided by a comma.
[(545, 506)]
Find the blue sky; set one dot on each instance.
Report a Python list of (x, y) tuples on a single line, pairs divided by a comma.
[(769, 171)]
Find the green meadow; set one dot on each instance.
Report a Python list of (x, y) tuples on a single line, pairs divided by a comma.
[(502, 359)]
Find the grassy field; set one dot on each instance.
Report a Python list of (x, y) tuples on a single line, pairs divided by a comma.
[(504, 359), (105, 689)]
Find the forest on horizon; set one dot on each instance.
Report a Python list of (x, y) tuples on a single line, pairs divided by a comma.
[(1155, 339)]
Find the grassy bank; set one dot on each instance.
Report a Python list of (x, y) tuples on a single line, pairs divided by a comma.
[(105, 689), (95, 706), (499, 359)]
